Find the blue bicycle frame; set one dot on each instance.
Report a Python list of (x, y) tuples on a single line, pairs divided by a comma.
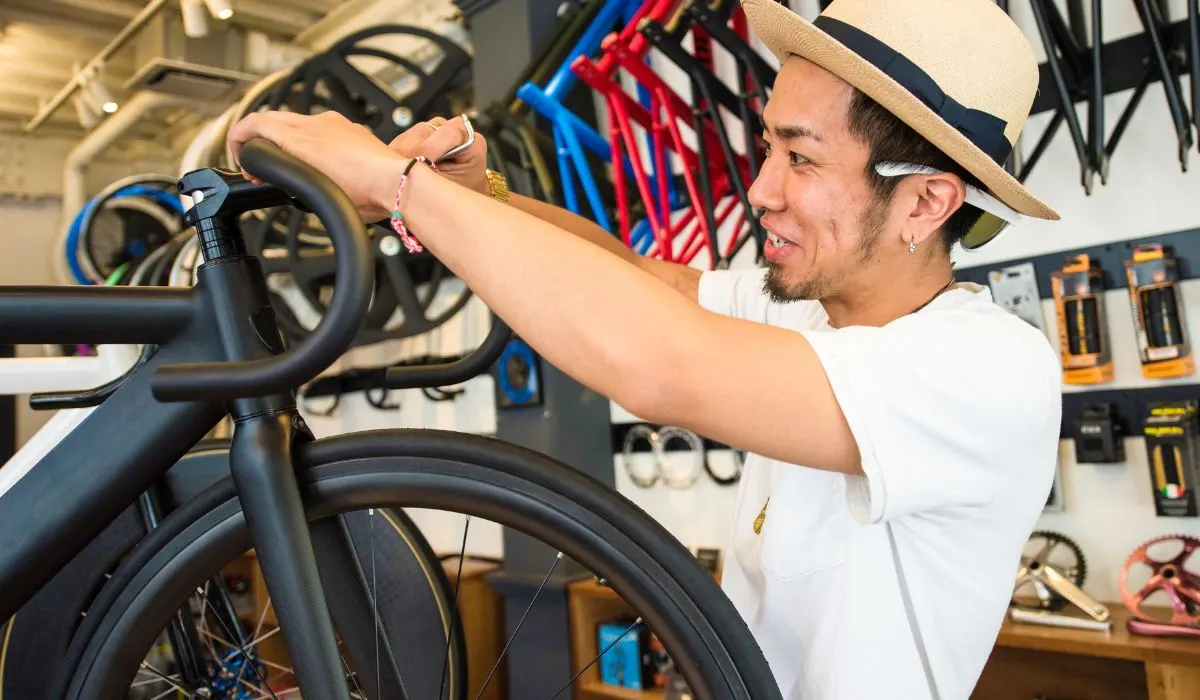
[(572, 135)]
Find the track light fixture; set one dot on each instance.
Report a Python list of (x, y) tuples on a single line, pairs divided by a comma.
[(99, 94), (195, 18), (88, 117), (221, 9)]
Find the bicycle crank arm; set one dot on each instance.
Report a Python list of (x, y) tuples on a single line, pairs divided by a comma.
[(1064, 587)]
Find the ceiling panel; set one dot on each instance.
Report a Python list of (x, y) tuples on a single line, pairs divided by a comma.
[(42, 42)]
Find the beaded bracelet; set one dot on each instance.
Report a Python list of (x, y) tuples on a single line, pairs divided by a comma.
[(411, 244)]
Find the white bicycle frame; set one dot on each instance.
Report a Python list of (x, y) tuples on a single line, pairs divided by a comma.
[(29, 375)]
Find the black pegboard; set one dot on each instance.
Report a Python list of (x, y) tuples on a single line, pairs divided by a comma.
[(1183, 245), (1132, 405)]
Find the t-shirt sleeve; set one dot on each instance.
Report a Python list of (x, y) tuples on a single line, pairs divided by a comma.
[(935, 402), (736, 293)]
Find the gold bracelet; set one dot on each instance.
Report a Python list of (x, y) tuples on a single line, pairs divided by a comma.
[(497, 185)]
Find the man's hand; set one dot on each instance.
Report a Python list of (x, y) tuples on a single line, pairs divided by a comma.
[(437, 136), (347, 153)]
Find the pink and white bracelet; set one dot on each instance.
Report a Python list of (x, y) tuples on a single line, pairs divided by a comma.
[(411, 244)]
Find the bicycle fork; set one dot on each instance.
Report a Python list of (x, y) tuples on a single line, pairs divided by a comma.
[(261, 463), (260, 460)]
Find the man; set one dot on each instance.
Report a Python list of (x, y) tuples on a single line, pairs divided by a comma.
[(903, 428)]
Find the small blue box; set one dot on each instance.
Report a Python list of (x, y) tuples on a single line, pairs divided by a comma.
[(623, 664)]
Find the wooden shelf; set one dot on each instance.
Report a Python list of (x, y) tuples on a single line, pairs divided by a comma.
[(1117, 643), (1032, 660), (595, 690)]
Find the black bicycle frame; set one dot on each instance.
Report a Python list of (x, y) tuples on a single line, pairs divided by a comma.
[(218, 351)]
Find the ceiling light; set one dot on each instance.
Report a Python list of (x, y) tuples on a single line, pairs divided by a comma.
[(195, 18), (101, 95), (87, 115), (221, 9)]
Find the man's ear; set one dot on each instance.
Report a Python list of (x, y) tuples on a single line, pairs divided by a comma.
[(936, 198)]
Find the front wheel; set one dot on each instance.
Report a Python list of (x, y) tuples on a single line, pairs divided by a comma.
[(701, 631)]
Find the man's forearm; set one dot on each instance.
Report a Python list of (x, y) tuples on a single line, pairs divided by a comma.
[(575, 224), (681, 277)]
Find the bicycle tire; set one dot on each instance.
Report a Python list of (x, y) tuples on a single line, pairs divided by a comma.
[(33, 643), (476, 475)]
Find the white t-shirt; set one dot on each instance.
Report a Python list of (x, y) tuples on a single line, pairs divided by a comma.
[(956, 412)]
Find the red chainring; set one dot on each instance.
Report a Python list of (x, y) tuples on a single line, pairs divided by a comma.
[(1171, 577)]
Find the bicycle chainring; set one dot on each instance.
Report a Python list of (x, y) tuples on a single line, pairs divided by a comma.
[(1171, 593), (1046, 549)]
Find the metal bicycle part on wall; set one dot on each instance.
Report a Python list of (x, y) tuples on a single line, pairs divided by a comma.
[(671, 476), (650, 436), (714, 94), (739, 464), (406, 282), (1051, 557), (1167, 602), (1049, 578), (1193, 22), (1166, 66), (150, 186), (122, 232), (1065, 60), (330, 80)]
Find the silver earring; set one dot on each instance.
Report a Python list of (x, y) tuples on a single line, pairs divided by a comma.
[(912, 246)]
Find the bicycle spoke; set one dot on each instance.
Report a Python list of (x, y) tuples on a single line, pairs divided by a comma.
[(591, 663), (153, 679), (219, 640), (462, 554), (487, 681), (203, 631), (350, 674), (380, 631), (229, 632), (165, 679), (262, 618), (251, 645), (167, 692)]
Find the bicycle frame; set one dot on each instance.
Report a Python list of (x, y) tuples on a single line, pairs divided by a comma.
[(571, 134)]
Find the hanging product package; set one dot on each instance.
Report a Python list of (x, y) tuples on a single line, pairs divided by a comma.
[(1158, 314), (1171, 431), (1082, 332)]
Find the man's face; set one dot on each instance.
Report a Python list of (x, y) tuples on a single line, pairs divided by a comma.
[(822, 220)]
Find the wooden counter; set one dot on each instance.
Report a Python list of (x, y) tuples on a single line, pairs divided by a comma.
[(1064, 664)]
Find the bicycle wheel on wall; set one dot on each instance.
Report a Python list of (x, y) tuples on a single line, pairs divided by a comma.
[(661, 580)]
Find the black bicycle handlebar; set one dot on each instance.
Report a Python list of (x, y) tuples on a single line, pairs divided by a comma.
[(338, 326), (461, 370)]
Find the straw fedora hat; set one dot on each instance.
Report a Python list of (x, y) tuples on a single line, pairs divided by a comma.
[(959, 72)]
